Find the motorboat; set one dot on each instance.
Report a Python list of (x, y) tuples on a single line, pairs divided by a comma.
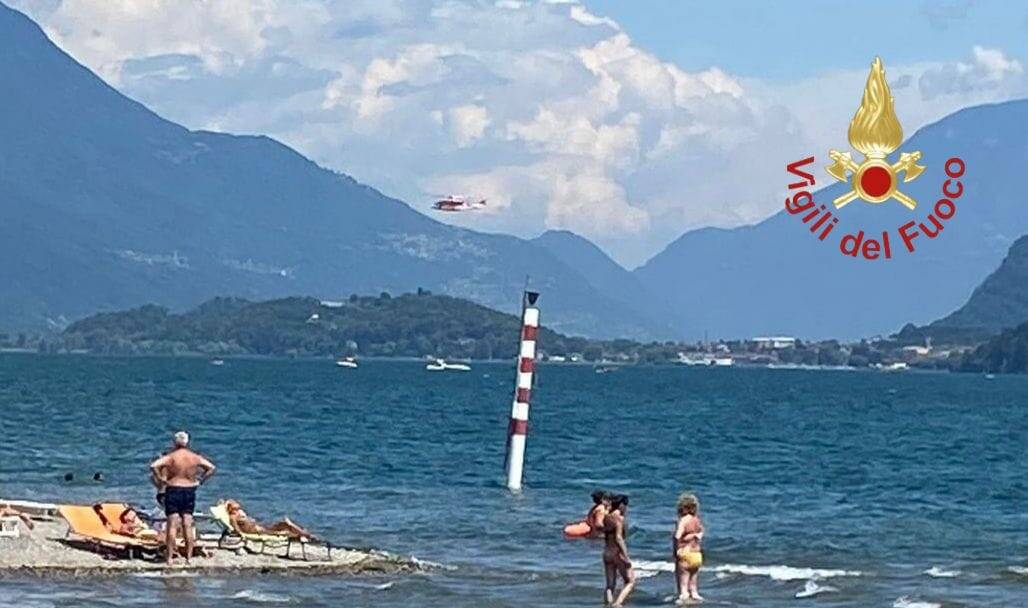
[(440, 365), (347, 362)]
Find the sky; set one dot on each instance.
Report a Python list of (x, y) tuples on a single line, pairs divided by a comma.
[(628, 122)]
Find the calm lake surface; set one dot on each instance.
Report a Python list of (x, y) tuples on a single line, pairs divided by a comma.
[(849, 488)]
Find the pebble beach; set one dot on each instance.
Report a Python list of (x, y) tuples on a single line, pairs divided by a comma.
[(47, 551)]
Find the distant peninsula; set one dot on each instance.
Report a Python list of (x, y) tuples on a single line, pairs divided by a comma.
[(409, 325)]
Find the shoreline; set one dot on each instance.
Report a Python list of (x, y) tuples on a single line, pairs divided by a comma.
[(46, 552), (492, 362)]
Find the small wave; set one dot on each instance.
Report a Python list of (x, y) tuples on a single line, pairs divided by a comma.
[(165, 574), (1022, 570), (262, 598), (649, 569), (783, 573), (427, 565), (938, 572), (811, 588), (909, 602)]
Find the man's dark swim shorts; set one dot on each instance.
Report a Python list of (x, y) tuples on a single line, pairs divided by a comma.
[(179, 501)]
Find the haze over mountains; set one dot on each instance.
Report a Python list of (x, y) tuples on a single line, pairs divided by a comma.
[(107, 206)]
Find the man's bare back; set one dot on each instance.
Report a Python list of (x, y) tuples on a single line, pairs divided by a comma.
[(180, 471), (182, 468)]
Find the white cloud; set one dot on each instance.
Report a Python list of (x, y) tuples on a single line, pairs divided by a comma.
[(988, 69), (552, 112), (468, 123), (579, 14)]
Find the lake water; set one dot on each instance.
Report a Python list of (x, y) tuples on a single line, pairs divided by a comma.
[(857, 489)]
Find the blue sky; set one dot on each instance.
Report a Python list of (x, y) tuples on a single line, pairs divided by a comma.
[(628, 122), (792, 40)]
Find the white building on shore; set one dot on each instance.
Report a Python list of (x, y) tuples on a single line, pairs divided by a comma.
[(775, 342)]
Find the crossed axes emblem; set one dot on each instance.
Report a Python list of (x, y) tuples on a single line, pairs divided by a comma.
[(875, 180)]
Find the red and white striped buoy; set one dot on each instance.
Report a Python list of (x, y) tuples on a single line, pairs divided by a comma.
[(517, 432)]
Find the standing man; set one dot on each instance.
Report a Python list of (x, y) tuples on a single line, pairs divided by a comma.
[(181, 470)]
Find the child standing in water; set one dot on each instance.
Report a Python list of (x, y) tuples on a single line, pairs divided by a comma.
[(687, 538)]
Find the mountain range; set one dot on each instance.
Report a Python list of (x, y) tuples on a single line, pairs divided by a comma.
[(107, 206), (776, 277), (1000, 303)]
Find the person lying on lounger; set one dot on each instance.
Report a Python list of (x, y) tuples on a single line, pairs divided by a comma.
[(128, 524), (247, 525)]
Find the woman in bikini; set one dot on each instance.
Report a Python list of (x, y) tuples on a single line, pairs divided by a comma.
[(688, 554), (615, 553), (244, 523)]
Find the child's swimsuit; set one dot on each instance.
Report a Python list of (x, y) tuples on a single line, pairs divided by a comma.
[(689, 558)]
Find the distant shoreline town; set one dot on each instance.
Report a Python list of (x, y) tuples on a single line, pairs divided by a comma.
[(423, 325)]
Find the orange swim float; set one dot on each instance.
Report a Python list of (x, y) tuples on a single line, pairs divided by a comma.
[(578, 529)]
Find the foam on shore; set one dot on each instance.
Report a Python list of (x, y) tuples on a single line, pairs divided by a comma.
[(784, 573)]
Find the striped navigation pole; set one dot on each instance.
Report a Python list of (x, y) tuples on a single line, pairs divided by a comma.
[(517, 432)]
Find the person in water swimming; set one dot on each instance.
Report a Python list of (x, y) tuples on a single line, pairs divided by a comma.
[(615, 553), (688, 554), (181, 471), (599, 510)]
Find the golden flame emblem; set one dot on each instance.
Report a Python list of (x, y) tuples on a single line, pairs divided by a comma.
[(875, 131)]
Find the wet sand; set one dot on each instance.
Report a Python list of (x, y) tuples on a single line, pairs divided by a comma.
[(46, 551)]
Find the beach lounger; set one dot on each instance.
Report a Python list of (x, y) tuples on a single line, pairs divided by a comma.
[(220, 514), (9, 527), (35, 510), (85, 524)]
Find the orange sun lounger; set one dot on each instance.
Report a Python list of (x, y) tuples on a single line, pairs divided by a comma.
[(86, 525)]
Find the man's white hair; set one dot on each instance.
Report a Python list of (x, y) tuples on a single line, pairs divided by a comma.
[(181, 439)]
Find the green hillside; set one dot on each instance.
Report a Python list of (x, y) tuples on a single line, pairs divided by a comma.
[(1006, 353), (413, 325), (999, 303)]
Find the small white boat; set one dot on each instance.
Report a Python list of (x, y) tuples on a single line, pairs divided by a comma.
[(218, 362), (440, 365), (347, 362), (706, 360)]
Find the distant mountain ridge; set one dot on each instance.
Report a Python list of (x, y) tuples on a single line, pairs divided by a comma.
[(999, 304), (1001, 301), (107, 206), (774, 277), (604, 274)]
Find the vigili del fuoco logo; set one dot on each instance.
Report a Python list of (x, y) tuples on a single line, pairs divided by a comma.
[(875, 132)]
